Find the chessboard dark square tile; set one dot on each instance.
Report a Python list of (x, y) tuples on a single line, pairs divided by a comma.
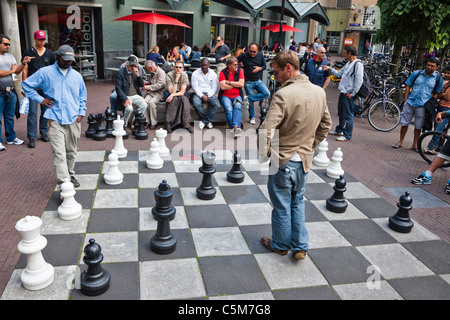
[(253, 234), (124, 282), (113, 220), (91, 167), (212, 216), (318, 191), (221, 278), (362, 232), (340, 265), (130, 181), (313, 293), (323, 174), (147, 197), (435, 254), (375, 207), (184, 247), (167, 167), (132, 155), (312, 214), (422, 288), (192, 179), (243, 194)]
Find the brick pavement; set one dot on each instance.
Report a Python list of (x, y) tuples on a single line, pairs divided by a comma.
[(28, 178)]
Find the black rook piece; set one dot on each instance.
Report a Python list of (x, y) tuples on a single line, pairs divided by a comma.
[(163, 242), (206, 191), (95, 280), (235, 175), (401, 222), (337, 203)]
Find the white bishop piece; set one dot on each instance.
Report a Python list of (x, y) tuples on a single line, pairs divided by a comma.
[(69, 209), (119, 132), (161, 134), (113, 176), (335, 170), (38, 274), (321, 159), (155, 161)]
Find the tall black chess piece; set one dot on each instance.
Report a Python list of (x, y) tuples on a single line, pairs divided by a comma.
[(163, 242), (337, 203), (91, 129), (140, 133), (100, 134), (135, 122), (95, 280), (401, 222), (235, 175), (262, 117), (109, 118), (206, 191)]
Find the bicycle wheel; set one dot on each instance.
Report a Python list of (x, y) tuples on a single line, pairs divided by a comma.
[(384, 117), (424, 142)]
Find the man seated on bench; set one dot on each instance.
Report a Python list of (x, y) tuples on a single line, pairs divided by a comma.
[(204, 83), (128, 84), (154, 91)]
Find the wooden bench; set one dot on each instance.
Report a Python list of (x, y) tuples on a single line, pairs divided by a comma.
[(111, 69)]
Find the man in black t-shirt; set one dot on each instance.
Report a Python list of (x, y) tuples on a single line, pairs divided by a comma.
[(221, 52), (41, 57)]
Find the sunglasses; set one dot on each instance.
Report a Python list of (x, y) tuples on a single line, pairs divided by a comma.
[(6, 44), (252, 51), (178, 67), (277, 72)]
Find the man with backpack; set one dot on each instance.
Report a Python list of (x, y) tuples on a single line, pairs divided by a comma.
[(421, 86), (352, 78)]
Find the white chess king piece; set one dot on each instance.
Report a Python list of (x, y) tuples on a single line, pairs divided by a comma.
[(69, 209), (38, 274), (321, 159), (119, 132), (113, 176), (335, 170), (161, 134), (155, 161)]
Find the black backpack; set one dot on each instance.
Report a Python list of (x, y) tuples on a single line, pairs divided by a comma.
[(365, 87)]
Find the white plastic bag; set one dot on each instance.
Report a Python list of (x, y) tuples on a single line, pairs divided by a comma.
[(24, 105)]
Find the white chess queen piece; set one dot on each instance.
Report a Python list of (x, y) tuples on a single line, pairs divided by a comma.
[(113, 176), (335, 170), (38, 274), (119, 132), (155, 161), (69, 209), (161, 134), (321, 159)]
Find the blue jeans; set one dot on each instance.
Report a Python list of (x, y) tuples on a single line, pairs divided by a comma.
[(7, 112), (233, 110), (32, 121), (286, 189), (438, 127), (207, 116), (262, 93), (345, 114)]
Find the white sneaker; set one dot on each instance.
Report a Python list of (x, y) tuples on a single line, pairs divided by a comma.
[(2, 147), (252, 121), (209, 125), (342, 138), (201, 125), (16, 141)]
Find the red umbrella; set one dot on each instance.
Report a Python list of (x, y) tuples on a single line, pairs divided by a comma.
[(152, 18), (276, 28)]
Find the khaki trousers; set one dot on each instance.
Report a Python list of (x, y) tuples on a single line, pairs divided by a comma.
[(152, 99)]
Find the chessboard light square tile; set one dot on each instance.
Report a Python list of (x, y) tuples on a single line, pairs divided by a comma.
[(148, 222), (246, 296), (89, 156), (87, 181), (152, 180), (314, 177), (394, 261), (116, 246), (224, 241), (59, 289), (418, 232), (324, 235), (350, 213), (144, 155), (116, 198), (283, 272), (189, 196), (381, 290), (171, 279), (252, 213), (357, 190), (221, 179), (187, 166), (124, 167), (53, 224), (255, 165)]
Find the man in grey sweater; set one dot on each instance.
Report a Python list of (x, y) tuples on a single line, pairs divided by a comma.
[(351, 75)]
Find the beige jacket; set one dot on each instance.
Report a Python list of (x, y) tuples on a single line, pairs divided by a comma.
[(300, 117)]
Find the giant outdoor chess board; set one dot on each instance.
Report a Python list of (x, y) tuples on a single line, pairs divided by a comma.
[(218, 253)]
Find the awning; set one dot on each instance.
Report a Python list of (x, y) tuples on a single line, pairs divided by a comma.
[(312, 10)]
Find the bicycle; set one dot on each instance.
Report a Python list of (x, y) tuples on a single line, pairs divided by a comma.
[(272, 85), (439, 138)]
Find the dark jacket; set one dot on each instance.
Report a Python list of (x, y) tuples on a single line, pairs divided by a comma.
[(122, 83)]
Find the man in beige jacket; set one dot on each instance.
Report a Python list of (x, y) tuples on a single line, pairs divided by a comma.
[(297, 121)]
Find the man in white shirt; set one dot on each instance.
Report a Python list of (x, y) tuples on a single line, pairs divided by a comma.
[(204, 83)]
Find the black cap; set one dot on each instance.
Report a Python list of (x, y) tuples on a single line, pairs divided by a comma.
[(133, 61)]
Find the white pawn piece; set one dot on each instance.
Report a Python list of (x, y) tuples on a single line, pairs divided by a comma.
[(119, 132), (335, 170), (38, 274), (321, 159), (161, 134), (155, 161), (69, 209), (113, 176)]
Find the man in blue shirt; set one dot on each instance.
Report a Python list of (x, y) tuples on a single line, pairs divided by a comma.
[(64, 94), (315, 71), (419, 89)]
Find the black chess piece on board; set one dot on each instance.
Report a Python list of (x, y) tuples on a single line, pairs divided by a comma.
[(100, 134), (95, 281), (140, 133), (91, 126), (206, 191), (109, 119), (235, 175), (337, 203), (401, 222)]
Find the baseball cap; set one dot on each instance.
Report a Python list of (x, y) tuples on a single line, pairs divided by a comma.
[(133, 61), (40, 35), (66, 52)]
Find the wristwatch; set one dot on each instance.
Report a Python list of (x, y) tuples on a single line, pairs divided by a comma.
[(229, 82)]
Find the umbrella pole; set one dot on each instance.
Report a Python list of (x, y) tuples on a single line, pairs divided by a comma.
[(280, 35)]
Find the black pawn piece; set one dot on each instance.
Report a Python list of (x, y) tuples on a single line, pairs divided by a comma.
[(206, 191), (91, 129), (141, 134), (100, 134), (95, 280), (262, 117), (337, 203), (109, 127), (163, 242), (401, 221), (235, 175)]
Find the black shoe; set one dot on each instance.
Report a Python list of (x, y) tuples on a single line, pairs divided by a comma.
[(190, 130), (31, 143), (45, 138), (74, 181)]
